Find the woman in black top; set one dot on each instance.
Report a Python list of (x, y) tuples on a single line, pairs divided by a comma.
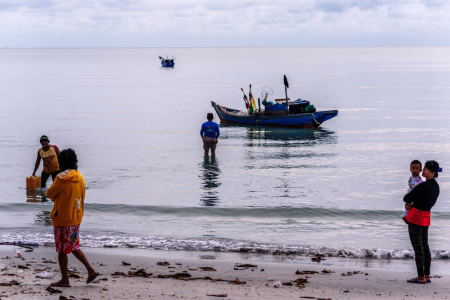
[(419, 203)]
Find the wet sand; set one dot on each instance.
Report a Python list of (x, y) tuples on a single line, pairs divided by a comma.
[(228, 281)]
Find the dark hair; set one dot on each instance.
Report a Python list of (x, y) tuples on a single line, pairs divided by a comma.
[(433, 166), (210, 116), (416, 162), (68, 159), (44, 138)]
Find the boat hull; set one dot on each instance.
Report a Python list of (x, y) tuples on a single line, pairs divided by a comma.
[(167, 65), (305, 120)]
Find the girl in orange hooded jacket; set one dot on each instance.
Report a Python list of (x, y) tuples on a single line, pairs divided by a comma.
[(67, 191)]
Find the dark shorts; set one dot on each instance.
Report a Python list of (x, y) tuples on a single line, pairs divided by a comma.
[(67, 238), (209, 143)]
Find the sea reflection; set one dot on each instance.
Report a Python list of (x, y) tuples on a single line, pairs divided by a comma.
[(210, 172), (267, 143), (43, 218), (36, 195), (283, 159)]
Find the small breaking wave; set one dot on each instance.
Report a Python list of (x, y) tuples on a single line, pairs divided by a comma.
[(106, 240)]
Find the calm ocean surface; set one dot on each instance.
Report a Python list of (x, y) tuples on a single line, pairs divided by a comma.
[(135, 127)]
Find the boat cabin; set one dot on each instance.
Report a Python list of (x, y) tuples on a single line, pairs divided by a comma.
[(295, 107)]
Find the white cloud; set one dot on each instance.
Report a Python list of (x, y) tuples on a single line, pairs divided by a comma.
[(230, 22)]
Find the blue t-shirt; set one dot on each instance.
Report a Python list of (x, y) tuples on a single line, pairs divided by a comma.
[(210, 129)]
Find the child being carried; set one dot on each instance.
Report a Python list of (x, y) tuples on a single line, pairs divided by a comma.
[(413, 181)]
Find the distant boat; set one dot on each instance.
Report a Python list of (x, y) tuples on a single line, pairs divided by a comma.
[(296, 119), (166, 62)]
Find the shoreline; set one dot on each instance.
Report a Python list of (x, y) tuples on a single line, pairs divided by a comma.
[(384, 279)]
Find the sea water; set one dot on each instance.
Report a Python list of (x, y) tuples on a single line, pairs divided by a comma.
[(135, 127)]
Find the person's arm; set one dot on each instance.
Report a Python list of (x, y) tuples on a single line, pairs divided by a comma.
[(36, 165), (416, 195), (54, 189), (202, 131), (217, 131)]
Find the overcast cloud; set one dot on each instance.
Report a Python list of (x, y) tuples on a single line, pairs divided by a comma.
[(191, 23)]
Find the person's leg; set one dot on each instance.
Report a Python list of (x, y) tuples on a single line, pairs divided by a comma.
[(206, 148), (54, 175), (415, 235), (44, 178), (82, 258), (62, 257), (213, 150), (63, 260), (426, 252), (74, 239)]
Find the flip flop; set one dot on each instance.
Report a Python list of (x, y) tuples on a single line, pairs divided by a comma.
[(92, 277), (58, 284), (413, 280), (428, 280)]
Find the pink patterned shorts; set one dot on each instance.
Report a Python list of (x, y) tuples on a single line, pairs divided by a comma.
[(67, 238)]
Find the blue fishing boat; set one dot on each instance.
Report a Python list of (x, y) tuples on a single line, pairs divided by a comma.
[(280, 116), (166, 62), (297, 114)]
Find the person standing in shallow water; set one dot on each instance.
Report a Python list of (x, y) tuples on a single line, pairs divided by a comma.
[(419, 203), (49, 155), (210, 133), (68, 191)]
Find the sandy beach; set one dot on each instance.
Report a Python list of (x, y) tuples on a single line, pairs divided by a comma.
[(144, 274)]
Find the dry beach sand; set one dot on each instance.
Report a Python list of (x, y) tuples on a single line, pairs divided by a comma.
[(224, 276)]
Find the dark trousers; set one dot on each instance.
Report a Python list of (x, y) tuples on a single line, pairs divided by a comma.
[(419, 240), (45, 176)]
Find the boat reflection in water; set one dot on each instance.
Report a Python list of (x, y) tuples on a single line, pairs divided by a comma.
[(210, 172), (267, 136), (284, 143), (308, 137)]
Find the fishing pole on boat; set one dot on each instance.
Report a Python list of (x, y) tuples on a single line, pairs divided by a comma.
[(245, 99), (286, 85)]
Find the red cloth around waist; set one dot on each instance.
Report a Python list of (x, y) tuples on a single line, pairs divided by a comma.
[(418, 217)]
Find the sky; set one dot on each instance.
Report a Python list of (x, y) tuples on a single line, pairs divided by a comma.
[(224, 23)]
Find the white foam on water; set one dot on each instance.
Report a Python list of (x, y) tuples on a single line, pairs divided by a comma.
[(108, 240)]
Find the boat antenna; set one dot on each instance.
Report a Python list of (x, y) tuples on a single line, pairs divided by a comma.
[(286, 85)]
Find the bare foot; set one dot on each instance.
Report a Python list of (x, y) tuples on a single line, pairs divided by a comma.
[(60, 284)]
